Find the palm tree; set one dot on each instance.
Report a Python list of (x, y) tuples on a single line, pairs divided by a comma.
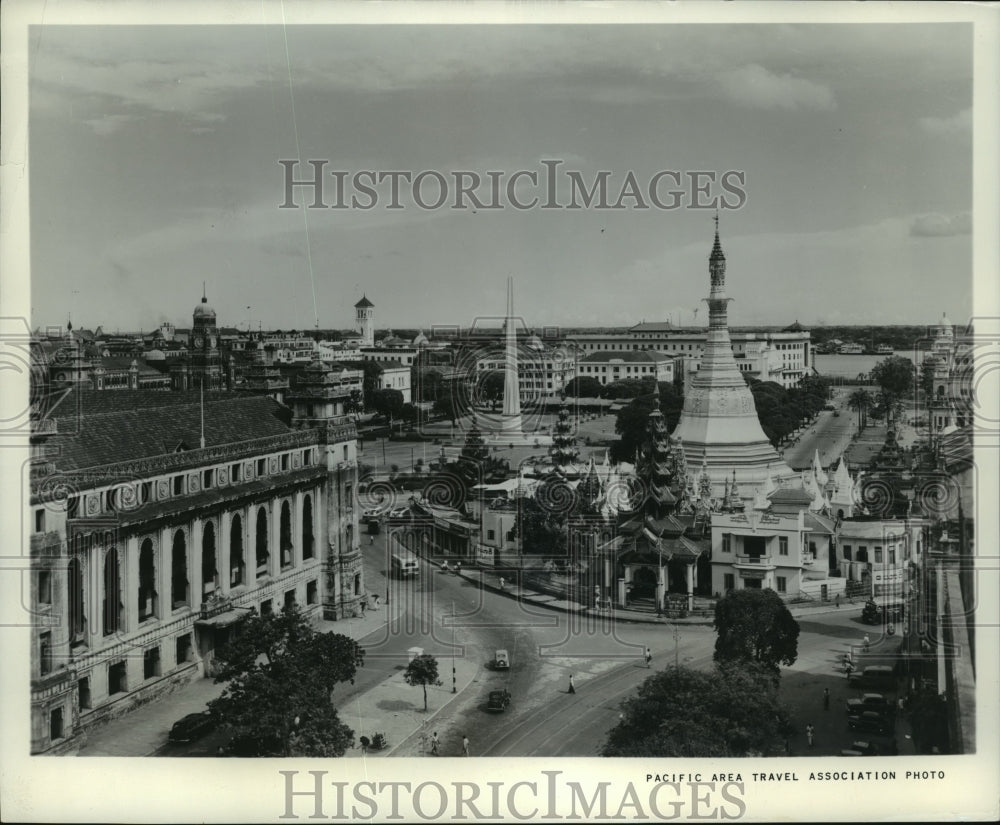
[(861, 401)]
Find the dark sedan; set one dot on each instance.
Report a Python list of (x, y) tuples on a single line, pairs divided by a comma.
[(498, 701), (871, 722), (191, 727)]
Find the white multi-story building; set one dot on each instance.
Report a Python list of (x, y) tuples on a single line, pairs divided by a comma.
[(783, 356), (543, 371), (396, 376)]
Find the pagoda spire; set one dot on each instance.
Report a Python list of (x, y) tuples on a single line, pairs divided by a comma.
[(718, 427)]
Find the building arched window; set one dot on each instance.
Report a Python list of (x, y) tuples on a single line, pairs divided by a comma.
[(77, 606), (261, 547), (285, 535), (307, 528), (237, 563), (209, 568), (112, 614), (148, 606), (179, 571)]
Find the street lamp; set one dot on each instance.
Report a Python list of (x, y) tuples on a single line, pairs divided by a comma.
[(454, 689)]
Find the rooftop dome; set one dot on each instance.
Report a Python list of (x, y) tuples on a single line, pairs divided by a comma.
[(203, 310)]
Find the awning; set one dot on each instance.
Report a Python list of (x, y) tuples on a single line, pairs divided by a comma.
[(223, 619)]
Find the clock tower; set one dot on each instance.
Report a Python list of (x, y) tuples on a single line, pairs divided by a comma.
[(204, 363)]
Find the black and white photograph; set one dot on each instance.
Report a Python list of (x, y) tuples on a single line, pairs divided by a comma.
[(554, 411)]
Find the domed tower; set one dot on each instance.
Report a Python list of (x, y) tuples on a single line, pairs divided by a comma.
[(364, 313), (204, 363)]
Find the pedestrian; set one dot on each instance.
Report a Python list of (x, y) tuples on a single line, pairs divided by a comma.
[(364, 604), (501, 582), (572, 689), (848, 667), (826, 698), (435, 742), (649, 656), (866, 642), (371, 539), (809, 735), (836, 601), (465, 745)]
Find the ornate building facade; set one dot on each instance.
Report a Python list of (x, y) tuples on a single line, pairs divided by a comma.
[(158, 520)]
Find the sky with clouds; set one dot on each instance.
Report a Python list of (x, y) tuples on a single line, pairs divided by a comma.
[(154, 166)]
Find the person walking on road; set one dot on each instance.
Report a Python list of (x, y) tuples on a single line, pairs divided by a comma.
[(866, 642), (435, 742), (809, 735), (649, 656), (572, 689), (501, 582), (465, 745), (826, 698)]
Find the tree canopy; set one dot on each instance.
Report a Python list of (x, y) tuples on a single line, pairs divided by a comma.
[(894, 375), (423, 671), (388, 403), (730, 711), (584, 386), (281, 673), (755, 626), (631, 422), (372, 379)]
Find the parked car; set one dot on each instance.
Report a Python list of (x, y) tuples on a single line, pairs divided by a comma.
[(875, 676), (870, 701), (498, 701), (191, 727), (860, 748), (871, 722)]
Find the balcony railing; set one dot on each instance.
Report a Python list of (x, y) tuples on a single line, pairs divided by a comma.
[(762, 560)]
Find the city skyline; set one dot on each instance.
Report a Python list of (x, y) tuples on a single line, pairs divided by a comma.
[(842, 193)]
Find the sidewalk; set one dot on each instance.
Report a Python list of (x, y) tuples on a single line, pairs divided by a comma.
[(142, 731), (396, 710)]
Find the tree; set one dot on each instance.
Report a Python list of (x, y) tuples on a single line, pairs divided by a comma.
[(281, 673), (894, 375), (631, 422), (584, 386), (628, 388), (355, 403), (492, 387), (372, 379), (388, 403), (731, 711), (423, 671), (475, 448), (447, 405), (861, 401), (755, 626), (429, 383)]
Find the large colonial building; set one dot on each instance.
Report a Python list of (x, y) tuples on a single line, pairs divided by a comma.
[(158, 519)]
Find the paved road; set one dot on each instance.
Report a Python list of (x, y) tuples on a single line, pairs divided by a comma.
[(830, 434)]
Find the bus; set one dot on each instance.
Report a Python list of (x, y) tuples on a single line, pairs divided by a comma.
[(403, 563)]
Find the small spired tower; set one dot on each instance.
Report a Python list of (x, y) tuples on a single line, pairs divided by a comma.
[(364, 312), (718, 426)]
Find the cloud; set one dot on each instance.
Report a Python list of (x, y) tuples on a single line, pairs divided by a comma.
[(756, 87), (937, 226), (109, 124), (958, 124)]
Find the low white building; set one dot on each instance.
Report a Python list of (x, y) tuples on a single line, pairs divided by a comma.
[(396, 376), (785, 547), (608, 367)]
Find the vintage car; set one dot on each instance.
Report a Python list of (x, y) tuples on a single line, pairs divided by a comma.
[(502, 660), (860, 748), (498, 701), (871, 722), (871, 701), (191, 727)]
